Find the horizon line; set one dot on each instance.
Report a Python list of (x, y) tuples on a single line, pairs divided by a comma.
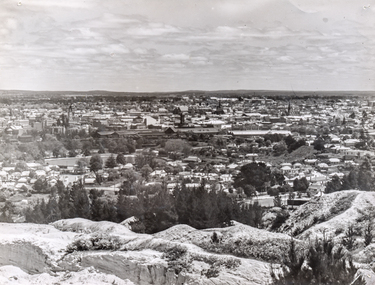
[(182, 91)]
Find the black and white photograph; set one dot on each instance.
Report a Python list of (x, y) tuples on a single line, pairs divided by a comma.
[(172, 142)]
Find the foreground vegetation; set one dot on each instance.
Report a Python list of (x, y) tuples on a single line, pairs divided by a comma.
[(323, 263)]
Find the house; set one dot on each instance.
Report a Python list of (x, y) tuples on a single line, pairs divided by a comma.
[(157, 174), (181, 110), (25, 138), (105, 134), (170, 131), (351, 142), (191, 158)]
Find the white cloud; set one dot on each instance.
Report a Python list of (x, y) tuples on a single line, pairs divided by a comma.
[(153, 41), (177, 57)]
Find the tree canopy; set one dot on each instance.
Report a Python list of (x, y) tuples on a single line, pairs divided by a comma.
[(257, 174)]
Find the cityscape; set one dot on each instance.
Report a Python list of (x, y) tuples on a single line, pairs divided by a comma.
[(282, 164), (187, 142)]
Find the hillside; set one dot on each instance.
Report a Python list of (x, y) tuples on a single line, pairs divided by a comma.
[(66, 249), (331, 215), (79, 251)]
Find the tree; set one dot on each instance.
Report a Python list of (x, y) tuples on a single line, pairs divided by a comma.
[(286, 188), (72, 153), (81, 203), (279, 148), (177, 145), (277, 201), (349, 239), (319, 144), (300, 185), (41, 185), (112, 146), (120, 159), (101, 149), (111, 162), (257, 174), (277, 178), (334, 185), (21, 166), (296, 144), (52, 210), (6, 212), (249, 190), (73, 145), (82, 163), (96, 164), (145, 171)]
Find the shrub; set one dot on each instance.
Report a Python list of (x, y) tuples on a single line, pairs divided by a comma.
[(322, 263), (339, 231), (174, 253), (215, 238), (95, 242), (349, 239), (177, 258), (3, 197), (79, 245), (280, 219), (227, 262), (367, 234), (213, 271), (269, 250)]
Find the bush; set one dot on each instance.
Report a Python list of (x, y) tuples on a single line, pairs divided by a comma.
[(367, 234), (79, 245), (322, 263), (269, 250), (177, 258), (349, 239), (174, 253), (213, 271), (95, 242), (3, 197), (215, 238), (280, 219)]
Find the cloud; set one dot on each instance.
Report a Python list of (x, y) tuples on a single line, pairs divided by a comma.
[(210, 44), (151, 29), (175, 57)]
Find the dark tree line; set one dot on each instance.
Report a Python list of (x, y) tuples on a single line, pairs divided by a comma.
[(154, 206), (201, 209), (71, 202)]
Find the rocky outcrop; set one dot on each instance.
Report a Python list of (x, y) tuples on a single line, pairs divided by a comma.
[(26, 256), (12, 275), (143, 268)]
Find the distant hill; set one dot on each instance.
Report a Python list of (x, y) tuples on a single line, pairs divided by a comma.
[(219, 93)]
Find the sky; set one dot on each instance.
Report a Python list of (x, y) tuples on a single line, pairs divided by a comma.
[(176, 45)]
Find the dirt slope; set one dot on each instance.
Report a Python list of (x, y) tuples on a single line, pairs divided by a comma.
[(332, 214), (139, 258)]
